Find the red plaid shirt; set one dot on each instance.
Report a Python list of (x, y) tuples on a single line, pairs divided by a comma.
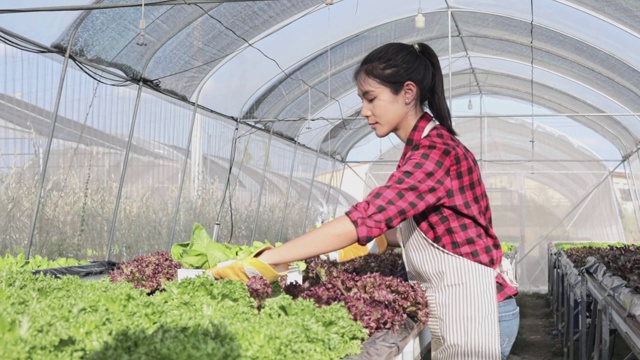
[(438, 183)]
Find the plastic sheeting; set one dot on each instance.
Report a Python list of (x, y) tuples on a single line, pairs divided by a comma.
[(92, 270), (386, 345), (187, 45), (616, 287)]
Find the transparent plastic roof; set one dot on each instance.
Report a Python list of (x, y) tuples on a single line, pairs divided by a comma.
[(287, 65)]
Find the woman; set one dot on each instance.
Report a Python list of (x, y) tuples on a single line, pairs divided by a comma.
[(436, 201)]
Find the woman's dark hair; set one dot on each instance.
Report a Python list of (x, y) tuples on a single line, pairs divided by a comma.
[(394, 64)]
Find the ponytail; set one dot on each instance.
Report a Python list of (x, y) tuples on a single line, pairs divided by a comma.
[(434, 95)]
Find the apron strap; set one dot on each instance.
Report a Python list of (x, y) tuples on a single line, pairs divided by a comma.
[(400, 235)]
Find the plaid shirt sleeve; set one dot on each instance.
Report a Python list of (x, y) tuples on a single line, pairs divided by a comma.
[(420, 182), (438, 183)]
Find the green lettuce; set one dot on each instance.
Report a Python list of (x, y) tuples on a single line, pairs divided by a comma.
[(201, 252)]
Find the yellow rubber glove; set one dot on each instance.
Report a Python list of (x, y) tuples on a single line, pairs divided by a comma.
[(244, 269), (376, 246)]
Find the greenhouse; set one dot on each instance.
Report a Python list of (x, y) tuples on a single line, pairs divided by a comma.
[(139, 134)]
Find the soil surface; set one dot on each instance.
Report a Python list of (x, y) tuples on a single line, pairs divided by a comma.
[(535, 336)]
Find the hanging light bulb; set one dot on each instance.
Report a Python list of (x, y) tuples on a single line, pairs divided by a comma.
[(420, 22), (470, 105)]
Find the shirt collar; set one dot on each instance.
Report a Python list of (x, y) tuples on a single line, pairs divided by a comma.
[(416, 133)]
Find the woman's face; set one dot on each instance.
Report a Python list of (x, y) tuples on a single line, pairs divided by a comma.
[(384, 111)]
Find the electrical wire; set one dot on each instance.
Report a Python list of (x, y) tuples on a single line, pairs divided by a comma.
[(232, 158), (89, 71), (248, 43), (255, 129), (21, 46), (79, 8), (533, 132), (102, 79), (252, 130), (96, 76)]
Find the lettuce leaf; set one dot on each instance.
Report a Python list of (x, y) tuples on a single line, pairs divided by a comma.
[(201, 252)]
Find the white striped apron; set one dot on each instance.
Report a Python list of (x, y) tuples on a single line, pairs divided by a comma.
[(461, 294)]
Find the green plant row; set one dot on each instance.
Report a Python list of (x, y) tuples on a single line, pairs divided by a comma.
[(571, 245), (20, 262), (201, 252), (507, 248), (197, 318)]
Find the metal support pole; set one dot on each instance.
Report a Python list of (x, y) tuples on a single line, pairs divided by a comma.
[(633, 190), (549, 270), (587, 196), (47, 150), (572, 324), (566, 315), (183, 172), (328, 196), (593, 337), (123, 172), (286, 200), (583, 319), (227, 187), (344, 169), (264, 175), (605, 350), (554, 293), (313, 177)]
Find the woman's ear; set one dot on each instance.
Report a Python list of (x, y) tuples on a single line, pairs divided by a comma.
[(409, 92)]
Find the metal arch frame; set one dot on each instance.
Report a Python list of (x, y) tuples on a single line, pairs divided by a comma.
[(69, 46), (448, 9), (185, 25), (622, 125), (598, 16), (45, 162), (114, 219), (569, 95), (547, 130), (559, 31), (320, 52), (101, 6), (362, 132), (191, 2), (276, 83), (356, 138), (512, 89), (195, 97), (548, 71), (236, 52), (278, 79), (303, 62), (574, 117), (586, 196)]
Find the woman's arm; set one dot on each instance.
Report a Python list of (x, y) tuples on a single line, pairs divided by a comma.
[(392, 237), (334, 235)]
